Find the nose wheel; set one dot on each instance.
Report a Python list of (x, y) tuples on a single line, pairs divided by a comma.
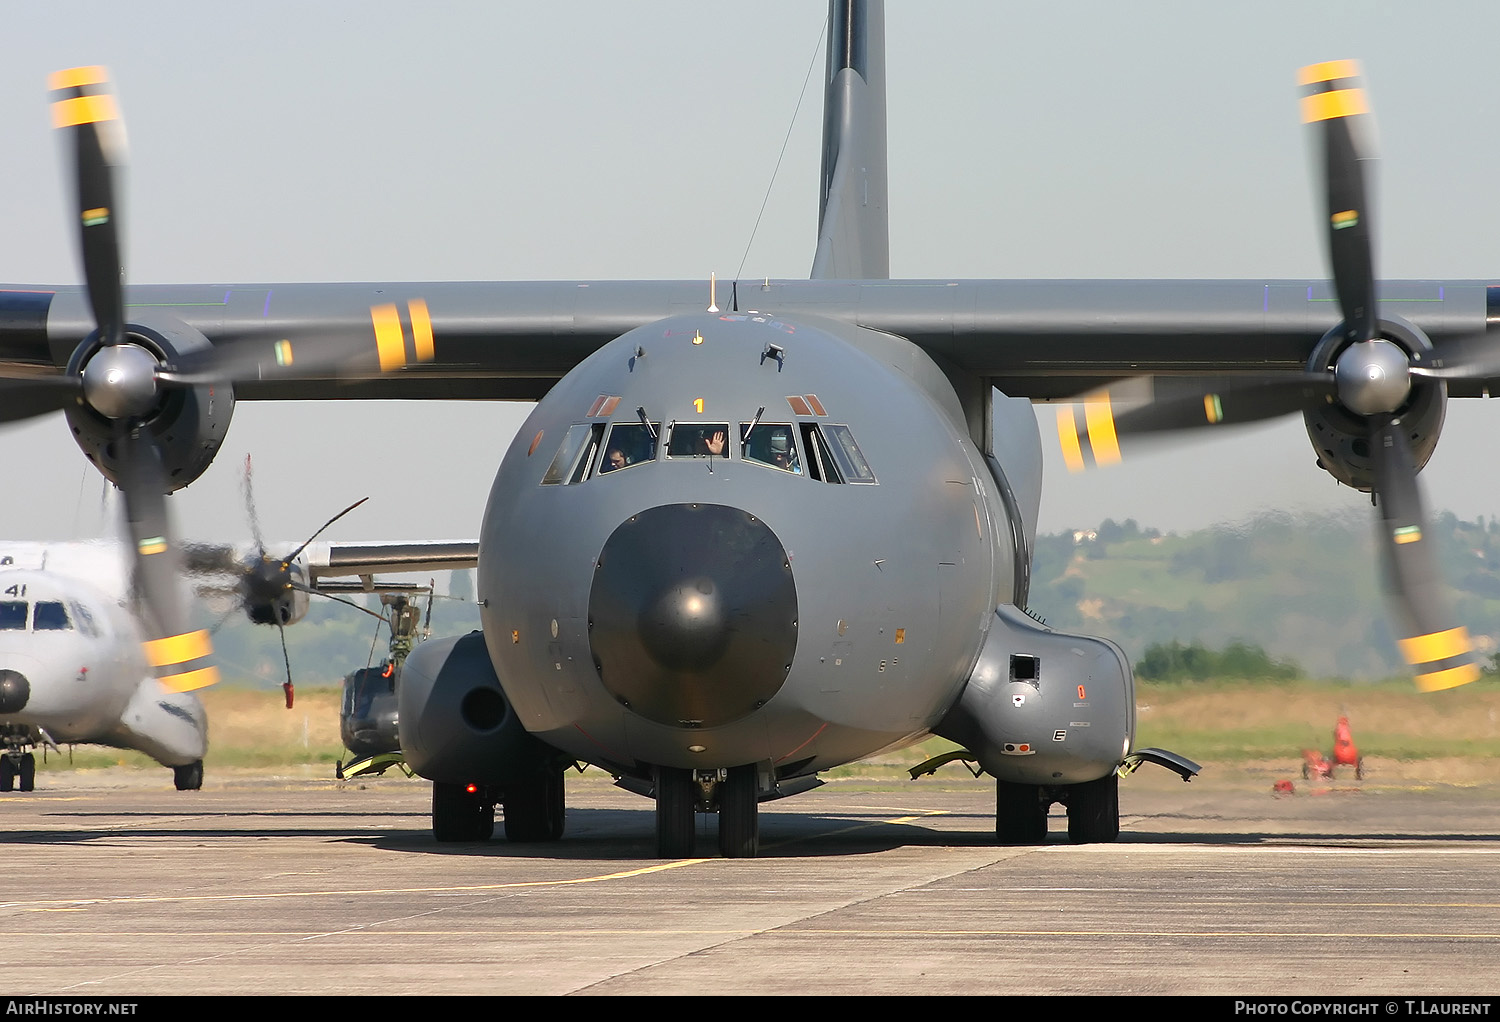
[(676, 812), (18, 773), (190, 777), (739, 814)]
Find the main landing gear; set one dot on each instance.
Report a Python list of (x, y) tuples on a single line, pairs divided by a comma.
[(681, 793), (535, 809), (1093, 811), (461, 812)]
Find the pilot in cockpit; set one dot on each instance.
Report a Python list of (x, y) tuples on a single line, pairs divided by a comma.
[(783, 454), (711, 445)]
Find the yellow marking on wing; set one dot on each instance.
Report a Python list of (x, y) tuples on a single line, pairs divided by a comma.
[(1100, 419), (189, 681), (1067, 435), (84, 110), (177, 649), (1451, 678), (1325, 106), (1328, 71), (1434, 646), (1213, 408), (421, 329), (389, 342)]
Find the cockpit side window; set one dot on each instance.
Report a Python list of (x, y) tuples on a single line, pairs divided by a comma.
[(771, 444), (847, 455), (820, 464), (699, 440), (51, 617), (86, 623), (13, 615), (573, 458), (629, 444)]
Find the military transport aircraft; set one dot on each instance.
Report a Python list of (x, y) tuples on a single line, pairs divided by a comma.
[(755, 530)]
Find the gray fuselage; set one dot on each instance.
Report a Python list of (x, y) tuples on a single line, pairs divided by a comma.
[(622, 607)]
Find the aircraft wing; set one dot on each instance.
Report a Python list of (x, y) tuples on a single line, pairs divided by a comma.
[(363, 561), (325, 561), (1042, 339)]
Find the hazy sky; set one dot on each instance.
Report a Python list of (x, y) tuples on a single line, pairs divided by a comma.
[(380, 141)]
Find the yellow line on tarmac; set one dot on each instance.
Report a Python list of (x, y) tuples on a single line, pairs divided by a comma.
[(52, 905), (919, 815)]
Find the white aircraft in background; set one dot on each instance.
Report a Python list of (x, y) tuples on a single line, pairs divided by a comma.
[(76, 667)]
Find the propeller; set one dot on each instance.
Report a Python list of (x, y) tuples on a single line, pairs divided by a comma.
[(1371, 376), (118, 381), (262, 580), (126, 382)]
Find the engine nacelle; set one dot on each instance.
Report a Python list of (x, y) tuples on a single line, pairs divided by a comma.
[(1341, 437), (288, 605), (1044, 707), (455, 723), (188, 423)]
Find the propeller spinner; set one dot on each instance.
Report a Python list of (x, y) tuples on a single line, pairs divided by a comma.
[(1371, 376)]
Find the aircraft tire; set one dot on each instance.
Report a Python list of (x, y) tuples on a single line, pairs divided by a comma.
[(190, 777), (7, 773), (1020, 814), (26, 776), (557, 805), (676, 812), (536, 809), (460, 815), (739, 814), (1094, 811)]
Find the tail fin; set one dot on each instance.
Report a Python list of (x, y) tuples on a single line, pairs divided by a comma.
[(853, 220)]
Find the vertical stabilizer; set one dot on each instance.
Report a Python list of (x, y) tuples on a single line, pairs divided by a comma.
[(853, 219)]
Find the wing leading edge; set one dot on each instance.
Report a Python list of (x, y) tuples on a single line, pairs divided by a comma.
[(1040, 339)]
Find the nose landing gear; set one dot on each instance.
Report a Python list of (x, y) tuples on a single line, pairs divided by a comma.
[(681, 794)]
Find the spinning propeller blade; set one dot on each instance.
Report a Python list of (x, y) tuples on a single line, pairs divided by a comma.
[(1370, 376), (122, 379)]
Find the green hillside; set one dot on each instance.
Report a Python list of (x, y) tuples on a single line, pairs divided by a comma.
[(1303, 588)]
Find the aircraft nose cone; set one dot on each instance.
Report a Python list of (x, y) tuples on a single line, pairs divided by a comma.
[(15, 691), (693, 614), (684, 628)]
